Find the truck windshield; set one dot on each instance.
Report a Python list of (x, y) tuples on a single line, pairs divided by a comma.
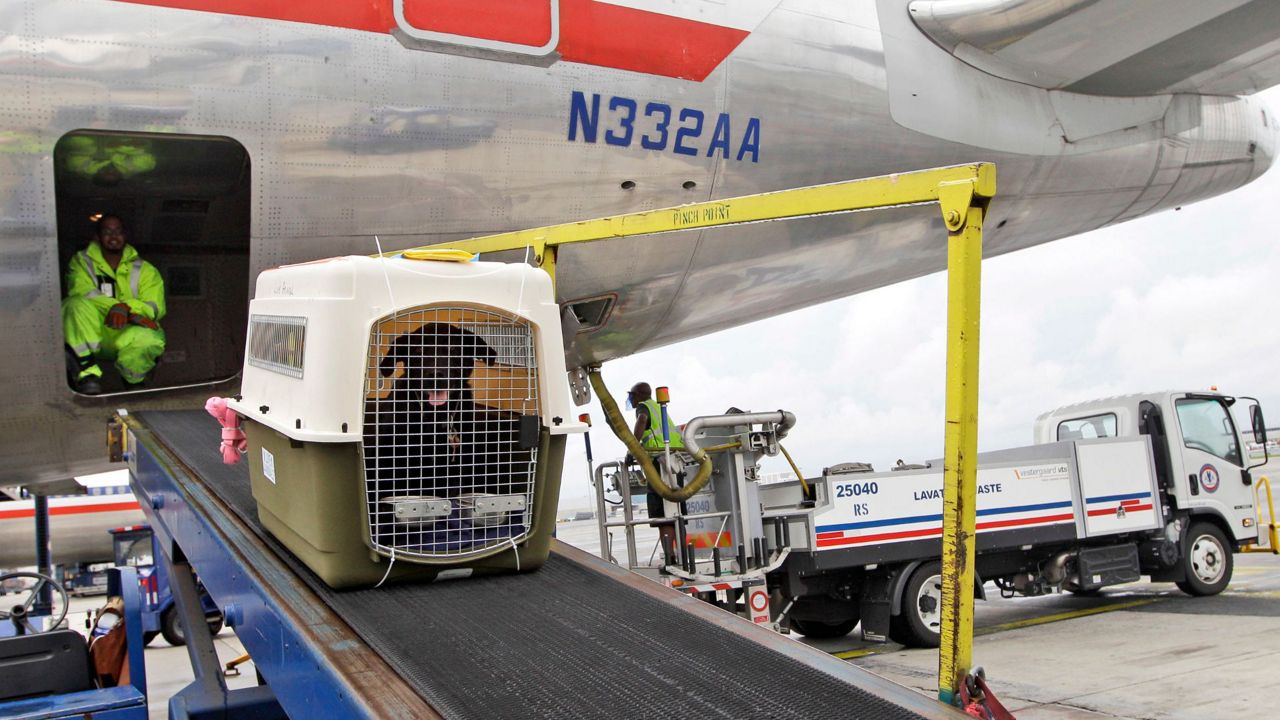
[(1207, 426), (134, 551)]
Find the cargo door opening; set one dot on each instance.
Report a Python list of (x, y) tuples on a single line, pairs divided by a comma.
[(183, 202)]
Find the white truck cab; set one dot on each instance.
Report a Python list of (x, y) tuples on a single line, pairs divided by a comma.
[(1199, 453)]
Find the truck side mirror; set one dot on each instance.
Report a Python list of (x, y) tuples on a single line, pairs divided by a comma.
[(1259, 425)]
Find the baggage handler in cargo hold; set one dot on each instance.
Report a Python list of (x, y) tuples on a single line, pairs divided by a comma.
[(648, 430), (114, 303)]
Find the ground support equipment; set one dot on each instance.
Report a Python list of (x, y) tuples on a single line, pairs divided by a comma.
[(124, 702)]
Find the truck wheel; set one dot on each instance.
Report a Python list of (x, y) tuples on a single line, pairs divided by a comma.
[(819, 630), (919, 624), (1207, 559), (171, 626)]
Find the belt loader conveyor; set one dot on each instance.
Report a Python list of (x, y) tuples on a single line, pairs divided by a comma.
[(581, 638)]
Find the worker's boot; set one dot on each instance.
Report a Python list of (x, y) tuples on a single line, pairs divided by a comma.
[(90, 381), (668, 553)]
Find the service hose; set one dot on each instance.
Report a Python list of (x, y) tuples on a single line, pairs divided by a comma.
[(804, 486), (651, 475)]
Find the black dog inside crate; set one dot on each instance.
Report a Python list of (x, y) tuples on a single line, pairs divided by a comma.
[(428, 437)]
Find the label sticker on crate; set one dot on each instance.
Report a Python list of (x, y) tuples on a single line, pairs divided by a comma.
[(269, 465)]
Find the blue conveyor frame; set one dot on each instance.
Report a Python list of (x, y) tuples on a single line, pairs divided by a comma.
[(317, 667)]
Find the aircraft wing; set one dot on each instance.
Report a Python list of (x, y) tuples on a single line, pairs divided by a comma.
[(1113, 47)]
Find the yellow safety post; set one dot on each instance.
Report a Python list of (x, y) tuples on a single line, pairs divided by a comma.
[(963, 210), (1273, 529)]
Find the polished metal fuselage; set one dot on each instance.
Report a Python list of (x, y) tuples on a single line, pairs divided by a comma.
[(353, 135)]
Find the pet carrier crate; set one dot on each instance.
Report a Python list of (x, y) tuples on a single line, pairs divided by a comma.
[(406, 418)]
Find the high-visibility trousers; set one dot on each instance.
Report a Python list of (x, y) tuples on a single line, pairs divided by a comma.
[(134, 348)]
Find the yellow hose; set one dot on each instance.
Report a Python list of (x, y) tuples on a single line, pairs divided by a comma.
[(803, 485), (619, 427)]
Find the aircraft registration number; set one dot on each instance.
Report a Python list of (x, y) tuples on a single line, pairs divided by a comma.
[(658, 126)]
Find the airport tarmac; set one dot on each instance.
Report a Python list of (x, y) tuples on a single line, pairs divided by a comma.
[(1138, 652), (1143, 651)]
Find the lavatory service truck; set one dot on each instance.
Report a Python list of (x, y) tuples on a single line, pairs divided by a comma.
[(1157, 485)]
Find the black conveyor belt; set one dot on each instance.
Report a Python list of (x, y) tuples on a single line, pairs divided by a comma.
[(564, 642)]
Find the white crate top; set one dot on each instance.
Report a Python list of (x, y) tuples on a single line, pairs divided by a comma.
[(340, 299)]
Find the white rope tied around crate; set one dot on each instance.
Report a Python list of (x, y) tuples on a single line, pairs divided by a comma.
[(392, 564), (382, 261), (515, 549)]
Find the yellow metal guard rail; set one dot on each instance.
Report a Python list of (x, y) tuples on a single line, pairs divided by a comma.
[(1273, 531), (963, 192)]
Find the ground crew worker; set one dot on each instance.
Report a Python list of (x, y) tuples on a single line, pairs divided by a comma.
[(648, 430), (114, 303)]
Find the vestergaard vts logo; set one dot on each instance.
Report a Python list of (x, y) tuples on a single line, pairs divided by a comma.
[(1209, 478)]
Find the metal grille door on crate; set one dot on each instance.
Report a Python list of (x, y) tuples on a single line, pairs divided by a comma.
[(447, 392)]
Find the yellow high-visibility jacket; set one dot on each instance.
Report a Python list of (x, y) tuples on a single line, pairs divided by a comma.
[(652, 439), (135, 282)]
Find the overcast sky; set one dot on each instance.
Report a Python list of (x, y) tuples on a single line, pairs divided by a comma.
[(1179, 300)]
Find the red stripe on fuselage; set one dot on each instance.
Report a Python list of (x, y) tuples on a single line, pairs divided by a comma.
[(591, 33), (72, 510), (523, 22), (612, 36), (370, 15)]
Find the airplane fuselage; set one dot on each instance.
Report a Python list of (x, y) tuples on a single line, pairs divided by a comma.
[(363, 134)]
